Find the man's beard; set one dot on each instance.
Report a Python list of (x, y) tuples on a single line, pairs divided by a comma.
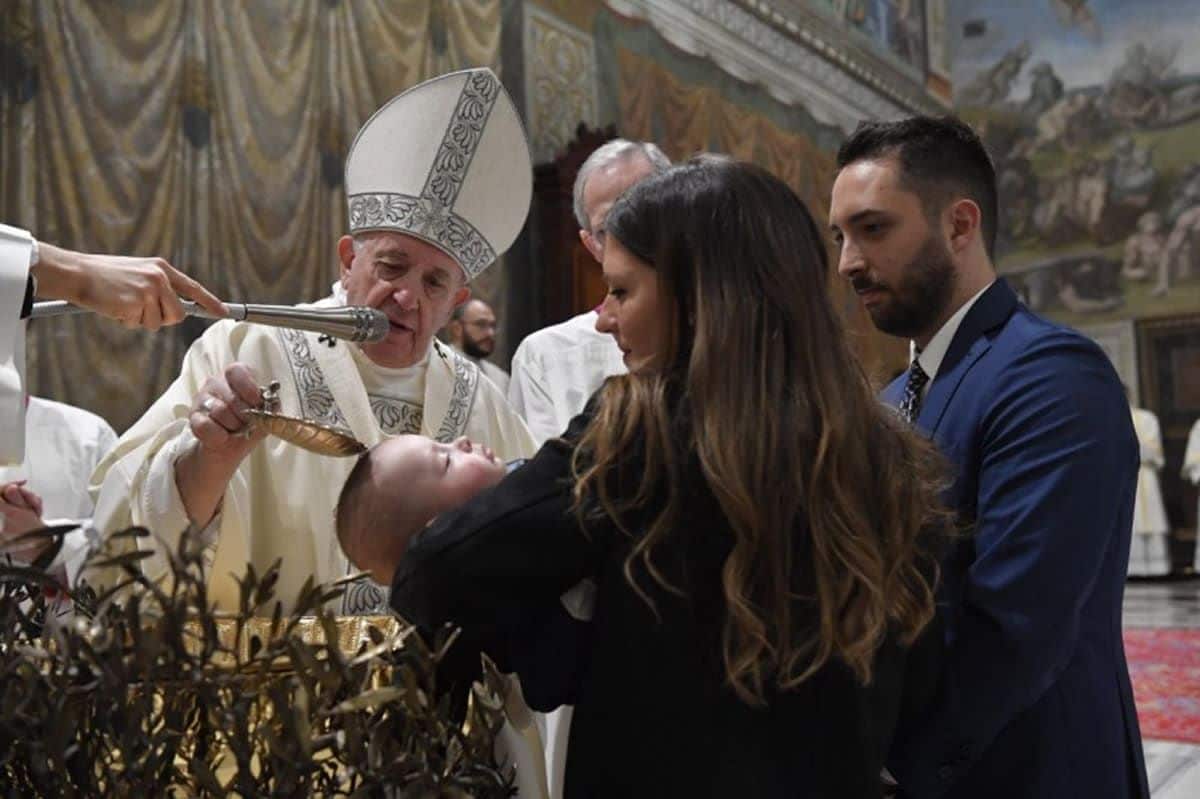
[(473, 349), (915, 304)]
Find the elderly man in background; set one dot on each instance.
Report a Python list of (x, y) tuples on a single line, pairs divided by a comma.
[(472, 331), (556, 369), (438, 183)]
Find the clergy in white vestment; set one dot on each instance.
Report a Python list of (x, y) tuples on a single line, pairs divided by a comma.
[(472, 331), (438, 183), (1150, 552), (64, 444), (556, 370), (1191, 471)]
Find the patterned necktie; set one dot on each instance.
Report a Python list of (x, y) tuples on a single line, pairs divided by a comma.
[(910, 403)]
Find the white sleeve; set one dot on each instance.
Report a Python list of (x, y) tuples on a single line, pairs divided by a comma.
[(160, 504), (517, 377), (106, 439), (146, 495), (528, 395), (15, 248), (152, 498)]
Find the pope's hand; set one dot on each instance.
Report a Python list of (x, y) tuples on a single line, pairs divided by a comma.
[(219, 422), (218, 418), (20, 512)]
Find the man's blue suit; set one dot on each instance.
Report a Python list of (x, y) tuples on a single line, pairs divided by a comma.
[(1034, 698)]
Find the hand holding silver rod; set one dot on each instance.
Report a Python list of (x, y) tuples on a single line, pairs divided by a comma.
[(351, 322)]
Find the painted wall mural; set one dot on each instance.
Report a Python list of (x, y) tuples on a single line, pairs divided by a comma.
[(894, 27), (1091, 109)]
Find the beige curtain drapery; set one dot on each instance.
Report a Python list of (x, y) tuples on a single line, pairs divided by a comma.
[(211, 132)]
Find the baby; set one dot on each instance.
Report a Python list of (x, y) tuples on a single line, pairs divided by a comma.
[(395, 491), (398, 487)]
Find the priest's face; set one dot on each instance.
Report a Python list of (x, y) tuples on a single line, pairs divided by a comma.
[(476, 329), (635, 311), (416, 284), (896, 258)]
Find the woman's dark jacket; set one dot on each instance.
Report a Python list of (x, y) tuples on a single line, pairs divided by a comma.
[(653, 714)]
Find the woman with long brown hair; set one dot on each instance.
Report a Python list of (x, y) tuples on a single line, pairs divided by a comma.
[(759, 527)]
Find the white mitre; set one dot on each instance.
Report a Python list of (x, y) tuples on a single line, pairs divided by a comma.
[(446, 161)]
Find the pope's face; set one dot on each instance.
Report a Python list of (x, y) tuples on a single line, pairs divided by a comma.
[(416, 284)]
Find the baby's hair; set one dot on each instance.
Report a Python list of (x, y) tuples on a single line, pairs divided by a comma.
[(371, 519), (354, 505)]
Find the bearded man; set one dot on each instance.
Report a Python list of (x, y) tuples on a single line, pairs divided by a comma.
[(1034, 698)]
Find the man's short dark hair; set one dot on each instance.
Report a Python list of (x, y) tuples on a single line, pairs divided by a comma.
[(941, 159)]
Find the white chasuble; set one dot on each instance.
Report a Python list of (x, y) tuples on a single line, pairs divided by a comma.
[(280, 502)]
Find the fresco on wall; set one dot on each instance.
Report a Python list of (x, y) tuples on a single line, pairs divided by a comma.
[(894, 27), (1091, 109)]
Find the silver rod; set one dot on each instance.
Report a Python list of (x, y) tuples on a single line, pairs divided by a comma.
[(351, 322)]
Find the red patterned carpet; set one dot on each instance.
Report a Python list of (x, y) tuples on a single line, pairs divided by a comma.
[(1165, 667)]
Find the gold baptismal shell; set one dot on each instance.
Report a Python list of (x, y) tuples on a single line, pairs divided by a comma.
[(312, 436)]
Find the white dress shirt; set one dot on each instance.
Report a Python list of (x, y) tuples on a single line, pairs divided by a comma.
[(935, 351)]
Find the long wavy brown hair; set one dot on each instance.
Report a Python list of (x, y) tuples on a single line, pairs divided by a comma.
[(828, 497)]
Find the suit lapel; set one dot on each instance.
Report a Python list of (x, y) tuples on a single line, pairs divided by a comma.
[(945, 384), (969, 344)]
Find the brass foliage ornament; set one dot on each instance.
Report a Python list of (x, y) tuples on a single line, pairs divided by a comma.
[(145, 691)]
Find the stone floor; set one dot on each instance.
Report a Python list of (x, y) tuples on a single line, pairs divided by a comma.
[(1174, 768)]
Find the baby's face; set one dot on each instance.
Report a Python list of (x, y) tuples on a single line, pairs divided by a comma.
[(412, 480), (437, 476)]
